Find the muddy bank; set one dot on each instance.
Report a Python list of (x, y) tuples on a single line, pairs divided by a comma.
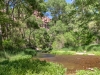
[(74, 62)]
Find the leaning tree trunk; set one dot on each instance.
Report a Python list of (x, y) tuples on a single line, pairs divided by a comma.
[(0, 38)]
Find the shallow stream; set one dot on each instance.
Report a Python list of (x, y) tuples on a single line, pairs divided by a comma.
[(74, 62)]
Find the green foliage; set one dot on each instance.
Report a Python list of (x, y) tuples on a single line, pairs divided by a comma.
[(59, 42), (37, 5), (30, 67), (20, 55), (1, 54), (56, 8), (59, 28), (13, 46), (93, 48), (70, 39), (86, 50), (31, 22), (72, 25), (41, 39), (7, 55), (7, 44), (63, 40), (30, 52)]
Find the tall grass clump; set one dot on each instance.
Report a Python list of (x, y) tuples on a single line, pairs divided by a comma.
[(26, 53)]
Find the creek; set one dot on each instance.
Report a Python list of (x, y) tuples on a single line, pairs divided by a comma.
[(73, 62)]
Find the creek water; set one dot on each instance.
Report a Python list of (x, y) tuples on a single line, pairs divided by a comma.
[(73, 62)]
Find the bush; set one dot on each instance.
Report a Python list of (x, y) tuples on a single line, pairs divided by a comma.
[(11, 47), (93, 48), (30, 67), (2, 54), (7, 44), (30, 52)]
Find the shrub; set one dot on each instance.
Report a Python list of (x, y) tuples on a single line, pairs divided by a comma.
[(30, 52), (1, 54), (93, 48), (7, 44)]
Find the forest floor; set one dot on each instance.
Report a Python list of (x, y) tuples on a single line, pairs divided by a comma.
[(74, 62)]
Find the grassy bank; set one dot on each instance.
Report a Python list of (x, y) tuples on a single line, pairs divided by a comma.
[(85, 50), (94, 71), (30, 67), (23, 64)]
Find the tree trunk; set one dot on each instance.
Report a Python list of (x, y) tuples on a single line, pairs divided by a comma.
[(30, 36), (0, 38), (7, 7)]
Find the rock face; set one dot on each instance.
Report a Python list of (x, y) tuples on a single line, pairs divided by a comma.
[(45, 19)]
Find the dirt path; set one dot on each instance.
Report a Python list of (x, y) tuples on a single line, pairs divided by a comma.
[(75, 62)]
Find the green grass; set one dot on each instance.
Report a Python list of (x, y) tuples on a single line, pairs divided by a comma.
[(56, 52), (89, 72), (22, 54), (23, 64), (12, 57), (97, 53), (30, 67)]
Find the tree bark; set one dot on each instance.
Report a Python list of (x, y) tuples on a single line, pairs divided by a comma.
[(1, 39), (30, 36)]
